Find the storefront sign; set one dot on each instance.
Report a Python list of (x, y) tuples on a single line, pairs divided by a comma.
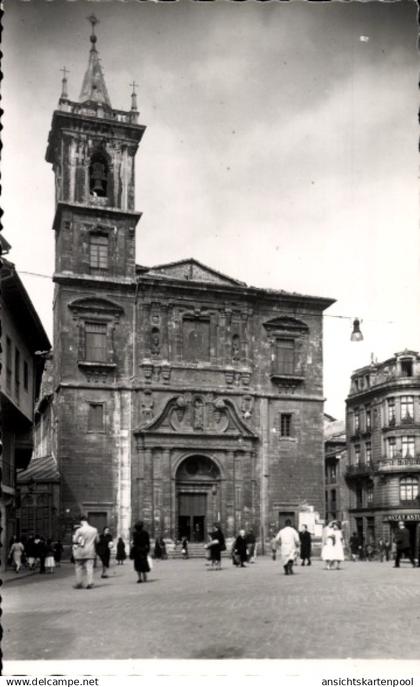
[(395, 517)]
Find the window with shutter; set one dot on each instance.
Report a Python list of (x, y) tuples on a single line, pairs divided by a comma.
[(285, 356), (96, 417), (96, 342)]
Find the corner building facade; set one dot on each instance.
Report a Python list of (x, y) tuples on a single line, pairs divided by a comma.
[(383, 448), (182, 396)]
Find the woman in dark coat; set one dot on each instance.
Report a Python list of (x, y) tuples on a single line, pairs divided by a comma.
[(240, 550), (305, 545), (121, 554), (139, 552), (103, 549), (58, 552), (216, 546)]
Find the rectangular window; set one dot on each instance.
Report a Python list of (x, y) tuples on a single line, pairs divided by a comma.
[(407, 368), (407, 445), (391, 411), (25, 375), (285, 356), (99, 251), (359, 497), (369, 493), (407, 408), (392, 447), (8, 364), (368, 419), (357, 454), (196, 339), (409, 488), (331, 474), (356, 420), (333, 499), (368, 452), (96, 417), (286, 424), (17, 373), (96, 342)]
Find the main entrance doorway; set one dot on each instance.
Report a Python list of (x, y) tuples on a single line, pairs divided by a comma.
[(192, 510), (198, 497)]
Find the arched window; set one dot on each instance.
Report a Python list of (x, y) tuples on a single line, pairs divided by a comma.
[(98, 175), (409, 488)]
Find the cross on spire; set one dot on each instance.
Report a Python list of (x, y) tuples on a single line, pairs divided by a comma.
[(93, 88), (93, 20), (134, 85), (64, 93)]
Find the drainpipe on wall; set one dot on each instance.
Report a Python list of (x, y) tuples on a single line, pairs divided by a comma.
[(265, 430)]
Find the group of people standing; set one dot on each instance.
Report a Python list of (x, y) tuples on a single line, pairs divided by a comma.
[(291, 545), (35, 552), (88, 544), (396, 548)]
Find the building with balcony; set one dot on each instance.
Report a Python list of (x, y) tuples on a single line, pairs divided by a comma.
[(22, 336), (383, 447)]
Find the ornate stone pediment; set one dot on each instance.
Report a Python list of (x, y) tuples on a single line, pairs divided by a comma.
[(282, 325), (193, 270), (205, 414), (98, 306)]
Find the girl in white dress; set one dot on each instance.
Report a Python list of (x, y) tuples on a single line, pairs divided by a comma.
[(333, 549)]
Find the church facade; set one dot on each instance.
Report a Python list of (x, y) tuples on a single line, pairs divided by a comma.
[(182, 396)]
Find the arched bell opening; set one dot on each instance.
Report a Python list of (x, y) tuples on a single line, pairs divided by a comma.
[(198, 497), (98, 174)]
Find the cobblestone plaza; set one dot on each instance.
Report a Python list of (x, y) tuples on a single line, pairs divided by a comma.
[(186, 611)]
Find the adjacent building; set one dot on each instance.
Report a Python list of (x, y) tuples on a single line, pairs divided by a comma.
[(39, 483), (336, 489), (22, 337), (383, 446), (181, 395)]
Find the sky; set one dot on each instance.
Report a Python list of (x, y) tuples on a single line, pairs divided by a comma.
[(281, 149)]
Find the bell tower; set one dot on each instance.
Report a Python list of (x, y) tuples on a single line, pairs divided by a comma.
[(92, 148)]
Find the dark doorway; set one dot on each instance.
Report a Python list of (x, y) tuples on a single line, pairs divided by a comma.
[(192, 516), (286, 515), (412, 528), (98, 520), (192, 527)]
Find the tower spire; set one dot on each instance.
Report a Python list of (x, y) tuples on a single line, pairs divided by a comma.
[(94, 88)]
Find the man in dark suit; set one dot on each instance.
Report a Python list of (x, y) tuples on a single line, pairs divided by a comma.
[(402, 541)]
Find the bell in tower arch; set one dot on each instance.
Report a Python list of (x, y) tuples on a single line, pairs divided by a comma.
[(98, 173)]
